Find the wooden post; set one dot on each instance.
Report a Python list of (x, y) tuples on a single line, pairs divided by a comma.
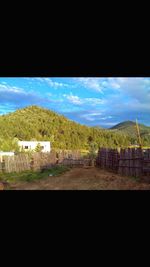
[(1, 186), (138, 134)]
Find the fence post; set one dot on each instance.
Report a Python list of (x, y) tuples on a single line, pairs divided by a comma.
[(3, 166), (32, 164)]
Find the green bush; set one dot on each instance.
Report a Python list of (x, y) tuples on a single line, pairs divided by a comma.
[(30, 176)]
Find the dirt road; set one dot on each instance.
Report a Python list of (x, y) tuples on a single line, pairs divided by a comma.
[(83, 179)]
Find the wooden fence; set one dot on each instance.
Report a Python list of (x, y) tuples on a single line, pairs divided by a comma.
[(129, 162), (108, 158), (39, 161), (76, 162)]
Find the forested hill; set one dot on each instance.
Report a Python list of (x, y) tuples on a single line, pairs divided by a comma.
[(129, 127), (36, 123), (124, 125)]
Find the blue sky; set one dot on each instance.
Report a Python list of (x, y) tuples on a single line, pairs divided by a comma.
[(91, 101)]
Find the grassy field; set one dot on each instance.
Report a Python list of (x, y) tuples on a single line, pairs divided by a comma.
[(29, 176)]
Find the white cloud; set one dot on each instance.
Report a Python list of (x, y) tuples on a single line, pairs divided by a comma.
[(13, 89), (123, 95), (53, 84), (106, 118), (92, 116), (50, 82), (138, 89), (99, 84), (88, 117), (4, 83), (94, 101), (18, 97), (109, 124), (85, 101), (95, 114), (75, 99), (91, 83)]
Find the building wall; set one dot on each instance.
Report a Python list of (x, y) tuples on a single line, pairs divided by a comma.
[(33, 144)]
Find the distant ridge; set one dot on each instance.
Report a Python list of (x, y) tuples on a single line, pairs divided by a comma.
[(123, 124), (128, 127)]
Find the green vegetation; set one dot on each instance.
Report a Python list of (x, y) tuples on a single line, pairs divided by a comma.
[(35, 123), (42, 125), (38, 148), (93, 151), (30, 176), (129, 128)]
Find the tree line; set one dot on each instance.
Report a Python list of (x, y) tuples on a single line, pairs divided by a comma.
[(35, 123)]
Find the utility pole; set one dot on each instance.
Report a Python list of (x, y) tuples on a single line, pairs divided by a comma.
[(138, 134)]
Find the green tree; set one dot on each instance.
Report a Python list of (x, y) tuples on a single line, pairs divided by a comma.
[(38, 148), (93, 150)]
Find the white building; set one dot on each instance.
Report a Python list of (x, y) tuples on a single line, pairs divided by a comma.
[(31, 145), (8, 154)]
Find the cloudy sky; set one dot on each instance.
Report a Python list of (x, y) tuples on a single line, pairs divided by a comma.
[(91, 101)]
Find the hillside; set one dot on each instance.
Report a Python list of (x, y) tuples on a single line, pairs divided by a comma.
[(129, 128), (123, 125), (42, 124)]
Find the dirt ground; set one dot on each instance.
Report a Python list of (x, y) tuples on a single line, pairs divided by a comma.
[(89, 178)]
